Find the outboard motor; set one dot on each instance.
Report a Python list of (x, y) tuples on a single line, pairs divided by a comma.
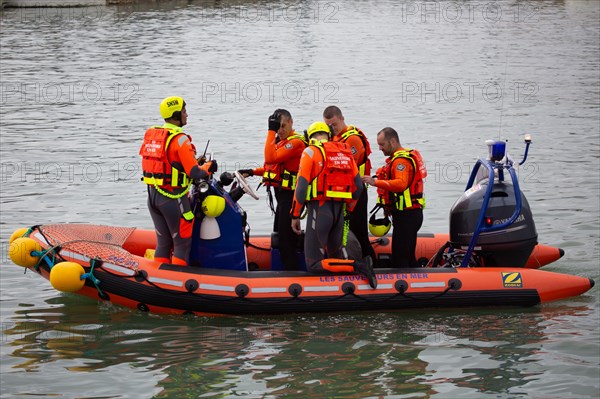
[(491, 224), (509, 246)]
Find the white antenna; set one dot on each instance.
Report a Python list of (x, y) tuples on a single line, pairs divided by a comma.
[(503, 91)]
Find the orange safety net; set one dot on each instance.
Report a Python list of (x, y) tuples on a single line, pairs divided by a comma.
[(96, 242)]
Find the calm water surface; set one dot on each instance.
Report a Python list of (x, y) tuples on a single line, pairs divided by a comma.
[(80, 86)]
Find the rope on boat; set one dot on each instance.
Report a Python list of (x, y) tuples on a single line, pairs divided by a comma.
[(57, 258), (93, 279), (44, 256), (249, 244), (251, 300), (51, 255), (439, 294)]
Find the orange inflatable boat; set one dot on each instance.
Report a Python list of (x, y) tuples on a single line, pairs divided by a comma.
[(490, 258), (108, 263)]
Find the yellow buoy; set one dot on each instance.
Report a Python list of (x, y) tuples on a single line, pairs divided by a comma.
[(20, 251), (66, 276), (18, 234)]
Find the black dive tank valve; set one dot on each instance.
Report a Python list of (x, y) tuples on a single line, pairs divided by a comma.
[(509, 246)]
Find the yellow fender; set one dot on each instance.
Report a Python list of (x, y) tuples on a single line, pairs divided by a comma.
[(18, 234), (20, 250), (66, 276)]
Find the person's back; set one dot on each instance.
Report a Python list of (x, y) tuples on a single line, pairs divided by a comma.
[(169, 166), (329, 185), (359, 146)]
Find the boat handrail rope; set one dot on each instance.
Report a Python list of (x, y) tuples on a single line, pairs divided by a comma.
[(90, 275), (44, 256), (54, 251), (451, 286), (283, 300), (95, 263), (249, 244)]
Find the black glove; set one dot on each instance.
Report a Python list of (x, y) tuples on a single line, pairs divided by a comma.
[(246, 172), (213, 167), (274, 123)]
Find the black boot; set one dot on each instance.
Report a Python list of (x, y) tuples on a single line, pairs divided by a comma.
[(365, 267)]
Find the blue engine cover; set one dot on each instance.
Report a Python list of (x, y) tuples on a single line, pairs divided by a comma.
[(227, 251)]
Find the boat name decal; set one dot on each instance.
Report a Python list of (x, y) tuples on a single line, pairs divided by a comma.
[(389, 276), (123, 261), (512, 280)]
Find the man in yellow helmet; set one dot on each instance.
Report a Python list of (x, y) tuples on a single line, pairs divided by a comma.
[(329, 184), (169, 165)]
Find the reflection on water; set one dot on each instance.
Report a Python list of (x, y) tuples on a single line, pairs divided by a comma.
[(474, 353)]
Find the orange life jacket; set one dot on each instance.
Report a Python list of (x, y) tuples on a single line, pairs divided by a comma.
[(413, 196), (156, 167), (276, 175), (336, 180), (272, 174), (364, 168)]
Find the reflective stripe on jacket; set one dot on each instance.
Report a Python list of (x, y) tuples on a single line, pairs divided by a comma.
[(412, 197), (336, 179), (364, 164), (156, 168), (284, 174)]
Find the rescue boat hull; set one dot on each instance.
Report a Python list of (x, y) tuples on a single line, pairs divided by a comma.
[(124, 277), (179, 290)]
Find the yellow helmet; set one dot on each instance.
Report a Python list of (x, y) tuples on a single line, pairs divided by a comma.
[(170, 105), (379, 227), (318, 127), (213, 206)]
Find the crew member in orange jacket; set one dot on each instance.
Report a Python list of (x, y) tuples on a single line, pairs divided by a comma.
[(359, 145), (329, 184), (169, 165), (283, 149), (400, 188)]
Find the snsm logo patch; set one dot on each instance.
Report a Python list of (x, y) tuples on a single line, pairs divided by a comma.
[(512, 280)]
